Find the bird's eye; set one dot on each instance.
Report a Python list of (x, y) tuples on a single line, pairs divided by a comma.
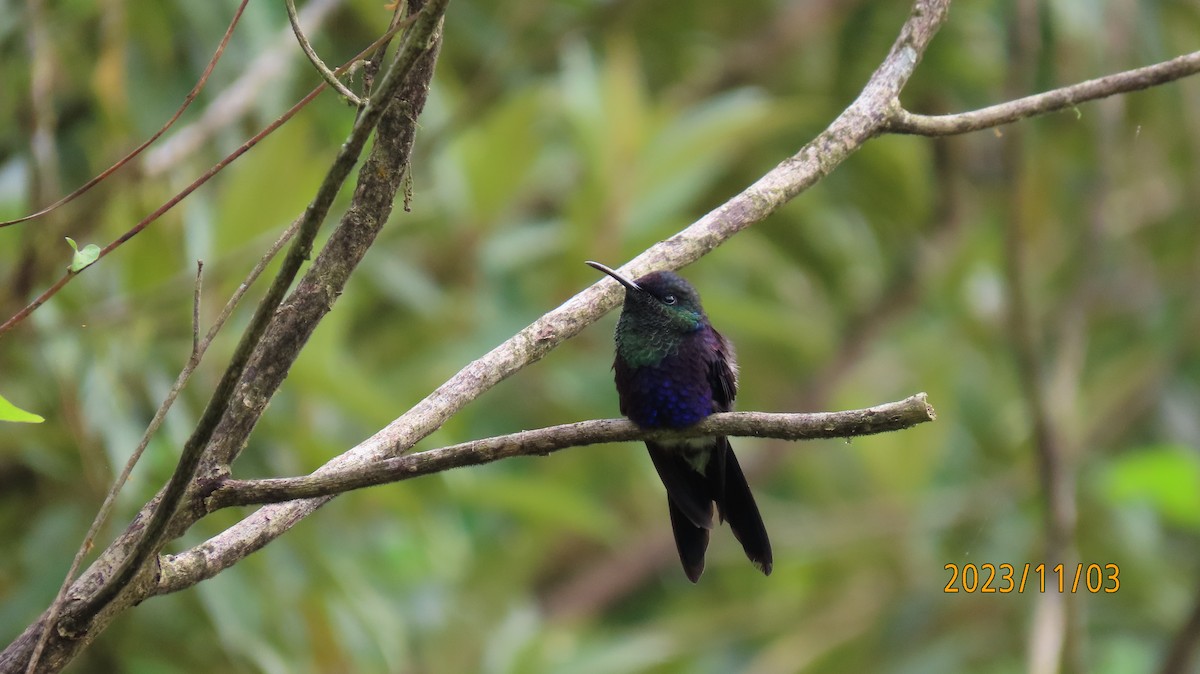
[(668, 299)]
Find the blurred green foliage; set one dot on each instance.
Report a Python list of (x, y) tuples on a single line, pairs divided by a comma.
[(564, 131)]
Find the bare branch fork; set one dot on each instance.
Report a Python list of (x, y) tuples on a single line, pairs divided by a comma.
[(274, 346), (879, 419)]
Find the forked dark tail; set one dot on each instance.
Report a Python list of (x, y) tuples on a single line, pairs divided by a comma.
[(690, 498)]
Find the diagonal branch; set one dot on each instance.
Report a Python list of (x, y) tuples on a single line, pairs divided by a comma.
[(905, 122), (879, 419)]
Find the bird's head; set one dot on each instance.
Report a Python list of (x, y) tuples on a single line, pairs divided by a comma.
[(658, 306)]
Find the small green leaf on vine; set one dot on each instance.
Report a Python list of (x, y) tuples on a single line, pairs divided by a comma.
[(82, 258)]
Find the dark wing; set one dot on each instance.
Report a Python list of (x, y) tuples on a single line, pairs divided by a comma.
[(620, 374), (722, 380), (735, 503), (722, 374)]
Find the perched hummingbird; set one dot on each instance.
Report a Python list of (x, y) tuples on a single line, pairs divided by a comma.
[(673, 370)]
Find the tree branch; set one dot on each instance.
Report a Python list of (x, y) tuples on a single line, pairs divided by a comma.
[(881, 418), (903, 121)]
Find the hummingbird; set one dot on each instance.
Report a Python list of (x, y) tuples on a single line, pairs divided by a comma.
[(672, 370)]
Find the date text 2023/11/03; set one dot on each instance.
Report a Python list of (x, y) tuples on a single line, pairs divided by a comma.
[(1004, 578)]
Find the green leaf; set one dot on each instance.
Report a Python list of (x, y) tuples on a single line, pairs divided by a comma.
[(10, 412), (1167, 477), (82, 258)]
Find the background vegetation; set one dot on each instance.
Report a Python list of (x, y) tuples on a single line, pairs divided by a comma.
[(564, 131)]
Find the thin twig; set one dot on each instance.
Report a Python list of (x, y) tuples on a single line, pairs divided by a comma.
[(903, 121), (173, 201), (232, 103), (329, 76), (187, 101), (196, 308), (879, 419)]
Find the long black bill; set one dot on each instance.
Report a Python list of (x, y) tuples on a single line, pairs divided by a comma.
[(613, 273)]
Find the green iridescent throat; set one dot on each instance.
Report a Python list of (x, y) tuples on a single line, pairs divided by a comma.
[(646, 340)]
